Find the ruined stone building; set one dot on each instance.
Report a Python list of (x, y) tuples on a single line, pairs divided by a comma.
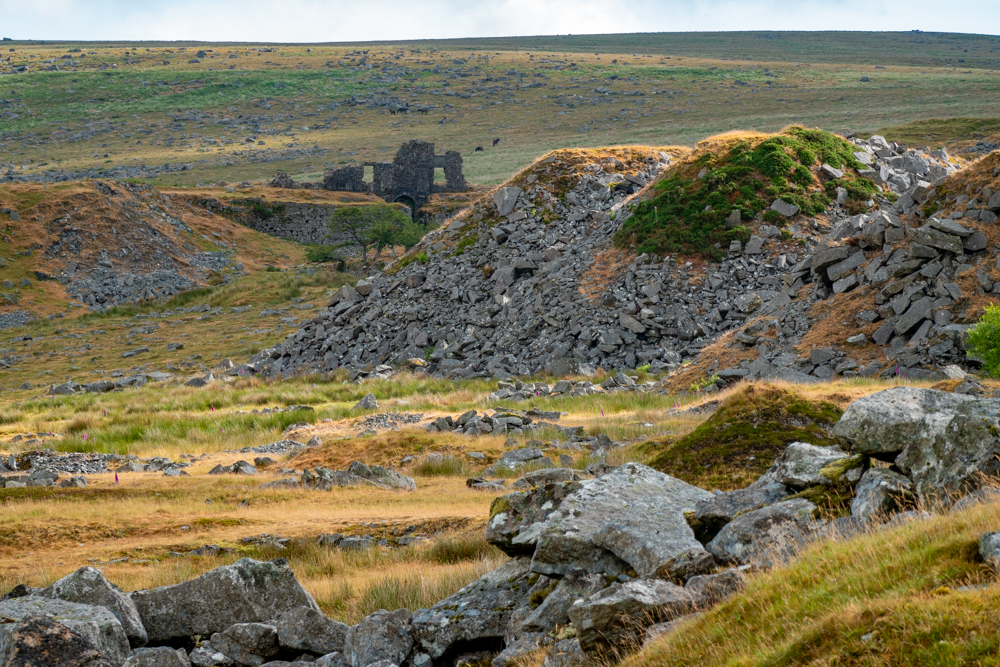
[(409, 178)]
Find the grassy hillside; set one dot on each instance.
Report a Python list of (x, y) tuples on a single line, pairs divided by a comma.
[(915, 594), (241, 112)]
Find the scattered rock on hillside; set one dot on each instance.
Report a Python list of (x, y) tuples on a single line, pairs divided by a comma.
[(475, 616), (367, 402), (882, 492), (383, 636)]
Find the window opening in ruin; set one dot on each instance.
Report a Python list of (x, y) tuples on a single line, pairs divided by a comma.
[(369, 174)]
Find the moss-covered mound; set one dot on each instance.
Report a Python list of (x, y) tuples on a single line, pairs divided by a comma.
[(750, 429), (688, 212)]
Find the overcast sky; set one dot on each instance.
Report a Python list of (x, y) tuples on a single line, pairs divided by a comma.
[(361, 20)]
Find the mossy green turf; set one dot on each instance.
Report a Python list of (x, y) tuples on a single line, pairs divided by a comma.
[(744, 435), (687, 214)]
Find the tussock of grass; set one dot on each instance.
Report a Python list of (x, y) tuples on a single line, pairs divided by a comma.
[(687, 215), (888, 598), (757, 420), (444, 465)]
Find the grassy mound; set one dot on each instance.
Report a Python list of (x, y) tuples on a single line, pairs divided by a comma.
[(889, 598), (688, 212), (750, 428)]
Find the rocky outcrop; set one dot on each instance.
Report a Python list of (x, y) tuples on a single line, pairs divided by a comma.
[(766, 536)]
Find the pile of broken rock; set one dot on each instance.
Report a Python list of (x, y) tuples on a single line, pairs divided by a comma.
[(597, 565)]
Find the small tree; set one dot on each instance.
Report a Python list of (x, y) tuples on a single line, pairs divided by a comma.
[(380, 225), (983, 340)]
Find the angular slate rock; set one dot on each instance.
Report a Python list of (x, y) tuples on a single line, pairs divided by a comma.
[(721, 508), (517, 519), (880, 493), (305, 629), (553, 612), (383, 635)]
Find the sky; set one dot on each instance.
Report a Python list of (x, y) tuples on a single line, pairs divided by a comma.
[(368, 20)]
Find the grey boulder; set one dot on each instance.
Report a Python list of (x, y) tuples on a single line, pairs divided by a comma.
[(630, 518), (89, 586), (383, 635), (247, 643), (613, 622), (367, 402), (881, 492), (477, 616), (553, 612), (306, 629), (40, 641), (248, 591), (710, 589), (764, 537), (989, 549), (566, 653), (96, 625), (718, 510), (161, 656), (801, 465), (944, 442), (516, 519)]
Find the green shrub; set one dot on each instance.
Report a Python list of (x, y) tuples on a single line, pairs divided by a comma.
[(324, 253), (983, 340)]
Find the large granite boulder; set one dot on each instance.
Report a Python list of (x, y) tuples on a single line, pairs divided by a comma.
[(249, 591), (945, 443), (475, 618), (553, 612), (766, 536), (96, 625), (161, 656), (801, 465), (383, 635), (715, 512), (612, 622), (516, 519), (881, 492), (89, 586), (631, 519), (39, 641), (306, 629), (247, 643)]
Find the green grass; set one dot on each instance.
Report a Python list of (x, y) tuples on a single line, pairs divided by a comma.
[(687, 214), (693, 85), (758, 421), (890, 598)]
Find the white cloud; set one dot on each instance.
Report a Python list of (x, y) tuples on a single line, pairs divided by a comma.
[(319, 21)]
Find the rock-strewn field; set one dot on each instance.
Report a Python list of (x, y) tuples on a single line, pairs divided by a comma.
[(597, 566)]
